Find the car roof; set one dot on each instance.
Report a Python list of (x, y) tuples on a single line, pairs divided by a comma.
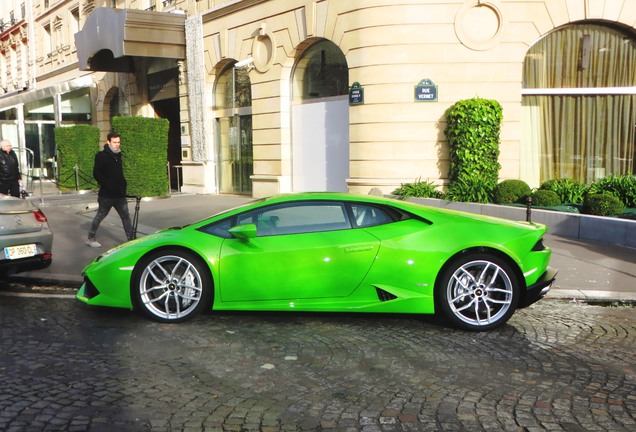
[(336, 196)]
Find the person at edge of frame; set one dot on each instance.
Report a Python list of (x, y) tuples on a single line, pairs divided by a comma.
[(10, 177)]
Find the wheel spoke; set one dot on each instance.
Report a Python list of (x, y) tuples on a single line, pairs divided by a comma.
[(188, 297), (465, 273), (162, 286), (466, 306), (157, 265), (167, 306), (157, 299), (495, 301)]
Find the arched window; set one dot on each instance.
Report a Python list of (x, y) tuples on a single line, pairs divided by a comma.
[(233, 89), (320, 119), (321, 72), (579, 105)]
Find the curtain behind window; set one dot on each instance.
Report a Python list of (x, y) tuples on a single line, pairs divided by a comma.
[(581, 136)]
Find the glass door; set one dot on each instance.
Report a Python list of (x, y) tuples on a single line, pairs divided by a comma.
[(40, 141), (235, 154)]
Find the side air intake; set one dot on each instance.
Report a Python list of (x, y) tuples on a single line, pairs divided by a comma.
[(384, 296)]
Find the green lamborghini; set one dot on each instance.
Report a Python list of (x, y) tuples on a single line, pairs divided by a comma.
[(331, 252)]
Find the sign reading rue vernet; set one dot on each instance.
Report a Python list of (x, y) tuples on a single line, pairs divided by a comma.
[(426, 91), (356, 94)]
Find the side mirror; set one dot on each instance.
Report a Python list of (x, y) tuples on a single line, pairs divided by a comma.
[(243, 232)]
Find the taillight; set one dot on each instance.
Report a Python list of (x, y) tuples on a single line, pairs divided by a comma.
[(539, 246), (39, 216)]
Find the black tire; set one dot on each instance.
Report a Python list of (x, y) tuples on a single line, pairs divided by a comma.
[(478, 292), (171, 286)]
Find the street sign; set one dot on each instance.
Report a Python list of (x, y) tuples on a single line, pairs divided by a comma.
[(356, 94), (426, 91)]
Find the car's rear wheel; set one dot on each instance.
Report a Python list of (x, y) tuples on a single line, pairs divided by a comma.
[(478, 292), (171, 285)]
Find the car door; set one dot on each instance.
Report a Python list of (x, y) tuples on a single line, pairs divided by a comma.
[(302, 250)]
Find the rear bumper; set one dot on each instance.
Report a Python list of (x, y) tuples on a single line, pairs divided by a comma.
[(37, 262), (540, 288)]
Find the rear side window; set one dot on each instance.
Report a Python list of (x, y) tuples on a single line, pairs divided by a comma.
[(366, 215)]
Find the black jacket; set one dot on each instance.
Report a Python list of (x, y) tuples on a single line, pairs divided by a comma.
[(109, 173), (9, 167)]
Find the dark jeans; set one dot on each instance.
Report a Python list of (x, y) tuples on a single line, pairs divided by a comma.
[(105, 204), (10, 188)]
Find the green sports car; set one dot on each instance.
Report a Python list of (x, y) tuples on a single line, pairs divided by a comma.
[(333, 252)]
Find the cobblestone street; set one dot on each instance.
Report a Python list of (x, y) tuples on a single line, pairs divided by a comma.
[(556, 366)]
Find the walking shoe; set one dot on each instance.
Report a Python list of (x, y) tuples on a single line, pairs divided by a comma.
[(93, 243)]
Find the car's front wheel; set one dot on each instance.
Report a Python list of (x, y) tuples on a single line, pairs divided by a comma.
[(478, 292), (171, 285)]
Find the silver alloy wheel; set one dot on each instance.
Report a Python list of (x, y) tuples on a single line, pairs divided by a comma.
[(170, 287), (479, 293)]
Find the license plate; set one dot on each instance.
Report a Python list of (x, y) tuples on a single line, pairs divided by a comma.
[(22, 251)]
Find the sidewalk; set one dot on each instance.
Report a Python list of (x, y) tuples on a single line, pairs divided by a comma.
[(587, 271)]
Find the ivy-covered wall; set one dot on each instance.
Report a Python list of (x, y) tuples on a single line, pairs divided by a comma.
[(472, 131)]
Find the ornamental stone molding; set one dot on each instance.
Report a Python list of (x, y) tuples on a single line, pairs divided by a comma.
[(88, 6), (479, 24)]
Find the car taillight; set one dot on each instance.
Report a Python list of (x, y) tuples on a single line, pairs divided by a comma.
[(39, 216), (539, 246)]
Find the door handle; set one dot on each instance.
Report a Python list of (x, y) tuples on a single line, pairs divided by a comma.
[(361, 248)]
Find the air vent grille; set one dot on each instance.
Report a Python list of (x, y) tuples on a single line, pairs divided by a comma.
[(384, 295)]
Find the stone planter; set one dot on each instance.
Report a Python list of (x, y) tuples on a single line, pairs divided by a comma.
[(615, 231)]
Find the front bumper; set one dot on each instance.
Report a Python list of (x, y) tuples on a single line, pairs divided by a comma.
[(540, 288)]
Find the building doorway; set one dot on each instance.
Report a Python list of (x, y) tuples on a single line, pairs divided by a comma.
[(169, 109), (40, 142), (233, 103)]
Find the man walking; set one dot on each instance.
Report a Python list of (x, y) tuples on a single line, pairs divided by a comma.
[(10, 176), (109, 173)]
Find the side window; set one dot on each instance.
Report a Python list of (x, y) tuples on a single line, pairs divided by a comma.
[(219, 228), (367, 216), (298, 218)]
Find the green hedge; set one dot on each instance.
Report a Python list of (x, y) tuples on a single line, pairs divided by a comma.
[(144, 142), (76, 147)]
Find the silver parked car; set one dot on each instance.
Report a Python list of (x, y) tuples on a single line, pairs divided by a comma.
[(25, 237)]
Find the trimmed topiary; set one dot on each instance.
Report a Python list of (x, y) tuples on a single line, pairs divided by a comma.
[(602, 205), (545, 198), (512, 191)]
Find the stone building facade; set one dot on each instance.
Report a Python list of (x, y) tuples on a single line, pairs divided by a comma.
[(267, 96)]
